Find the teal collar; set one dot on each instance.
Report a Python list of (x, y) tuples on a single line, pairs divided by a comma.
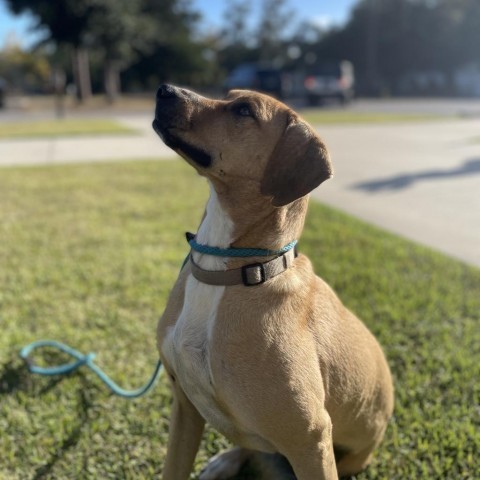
[(236, 252)]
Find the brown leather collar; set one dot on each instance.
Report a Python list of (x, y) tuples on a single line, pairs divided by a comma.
[(249, 275)]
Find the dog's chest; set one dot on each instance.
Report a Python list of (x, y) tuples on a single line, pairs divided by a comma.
[(187, 348), (188, 343)]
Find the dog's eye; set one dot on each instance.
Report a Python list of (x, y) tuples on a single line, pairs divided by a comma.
[(243, 110)]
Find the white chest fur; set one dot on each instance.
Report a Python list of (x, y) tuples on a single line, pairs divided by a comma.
[(186, 345)]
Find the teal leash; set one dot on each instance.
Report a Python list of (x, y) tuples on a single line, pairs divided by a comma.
[(81, 360)]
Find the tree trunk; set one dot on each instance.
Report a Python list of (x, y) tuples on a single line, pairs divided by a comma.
[(111, 80), (59, 83), (372, 77), (81, 74)]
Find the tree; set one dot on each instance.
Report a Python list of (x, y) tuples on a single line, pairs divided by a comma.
[(120, 32), (265, 42), (67, 24), (175, 52), (236, 30), (145, 34), (274, 20), (24, 70), (119, 29), (388, 40), (237, 43)]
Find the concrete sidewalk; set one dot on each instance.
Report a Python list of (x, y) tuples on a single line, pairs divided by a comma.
[(419, 180), (144, 144)]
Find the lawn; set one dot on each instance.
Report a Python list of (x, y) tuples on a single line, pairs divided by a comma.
[(62, 128), (102, 126), (88, 255), (319, 116)]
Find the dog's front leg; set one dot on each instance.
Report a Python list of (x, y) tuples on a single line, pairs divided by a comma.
[(186, 428)]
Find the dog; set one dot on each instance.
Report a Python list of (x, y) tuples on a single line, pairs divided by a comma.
[(259, 346)]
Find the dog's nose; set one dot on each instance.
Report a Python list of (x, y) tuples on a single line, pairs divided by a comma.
[(166, 91)]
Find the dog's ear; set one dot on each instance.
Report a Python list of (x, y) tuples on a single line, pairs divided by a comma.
[(299, 163)]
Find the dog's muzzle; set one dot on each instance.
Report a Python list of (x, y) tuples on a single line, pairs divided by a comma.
[(168, 91), (170, 120), (168, 108)]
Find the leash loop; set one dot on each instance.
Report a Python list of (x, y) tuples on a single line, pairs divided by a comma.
[(82, 359)]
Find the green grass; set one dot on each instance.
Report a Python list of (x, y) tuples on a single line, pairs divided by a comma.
[(340, 117), (62, 128), (88, 255)]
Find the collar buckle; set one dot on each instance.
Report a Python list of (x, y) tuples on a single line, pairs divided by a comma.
[(253, 274)]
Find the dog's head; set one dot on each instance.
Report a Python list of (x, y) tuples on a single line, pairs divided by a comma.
[(246, 139)]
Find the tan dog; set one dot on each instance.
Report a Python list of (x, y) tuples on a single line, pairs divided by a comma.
[(281, 366)]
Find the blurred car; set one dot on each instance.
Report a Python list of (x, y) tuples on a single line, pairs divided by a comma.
[(254, 77), (330, 80)]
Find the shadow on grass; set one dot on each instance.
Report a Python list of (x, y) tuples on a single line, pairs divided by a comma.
[(83, 407), (15, 377)]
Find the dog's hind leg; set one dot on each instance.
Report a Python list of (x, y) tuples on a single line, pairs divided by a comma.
[(273, 467), (248, 464), (227, 464), (353, 463)]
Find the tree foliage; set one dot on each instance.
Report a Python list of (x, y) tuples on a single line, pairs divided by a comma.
[(275, 17), (122, 32), (244, 41), (24, 70), (65, 20), (149, 41), (388, 39), (174, 52)]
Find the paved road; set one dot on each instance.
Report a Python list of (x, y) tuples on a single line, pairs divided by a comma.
[(419, 180)]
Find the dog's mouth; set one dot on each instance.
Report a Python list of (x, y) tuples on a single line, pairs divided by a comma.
[(184, 149)]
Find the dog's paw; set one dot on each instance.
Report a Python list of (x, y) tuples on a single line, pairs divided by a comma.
[(225, 465)]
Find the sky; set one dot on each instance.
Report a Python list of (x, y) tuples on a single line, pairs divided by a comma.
[(324, 12)]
